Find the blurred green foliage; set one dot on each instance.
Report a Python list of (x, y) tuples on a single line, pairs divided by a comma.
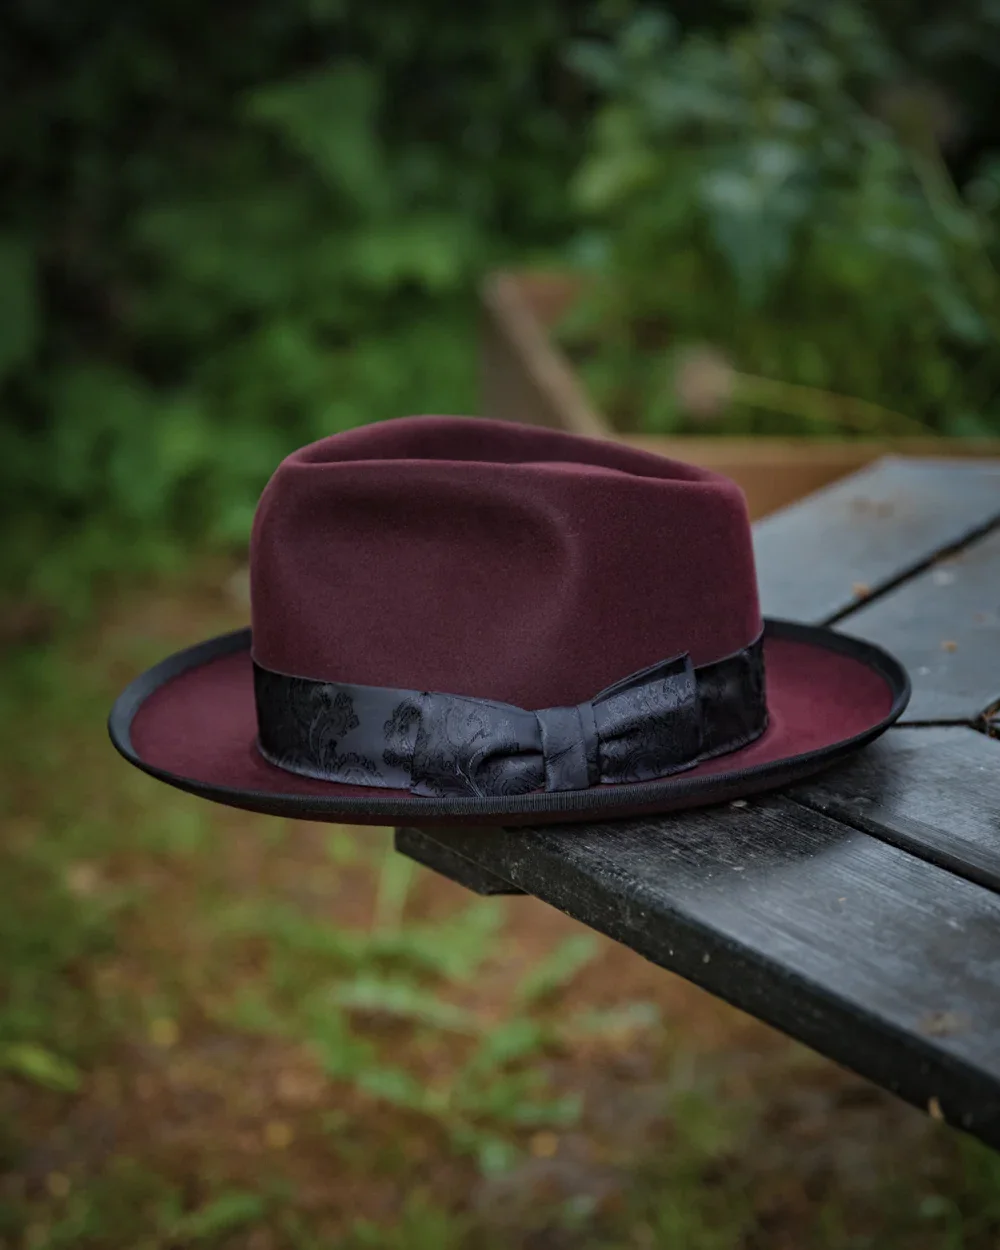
[(229, 231), (778, 189)]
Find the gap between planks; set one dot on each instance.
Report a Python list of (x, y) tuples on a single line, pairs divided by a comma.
[(943, 553)]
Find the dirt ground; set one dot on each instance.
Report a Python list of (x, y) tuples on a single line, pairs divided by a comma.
[(262, 1034)]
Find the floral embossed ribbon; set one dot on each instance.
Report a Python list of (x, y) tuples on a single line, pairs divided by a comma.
[(656, 722)]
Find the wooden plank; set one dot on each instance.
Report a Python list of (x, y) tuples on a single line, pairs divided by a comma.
[(944, 625), (772, 472), (432, 854), (868, 532), (522, 378), (878, 959), (526, 376), (934, 792), (776, 472)]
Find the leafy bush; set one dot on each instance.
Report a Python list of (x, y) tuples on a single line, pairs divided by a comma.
[(228, 231), (777, 190), (231, 231)]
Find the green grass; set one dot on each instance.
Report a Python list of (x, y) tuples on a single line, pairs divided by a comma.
[(224, 1031), (91, 850)]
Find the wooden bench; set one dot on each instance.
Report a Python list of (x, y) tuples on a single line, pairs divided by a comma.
[(859, 912)]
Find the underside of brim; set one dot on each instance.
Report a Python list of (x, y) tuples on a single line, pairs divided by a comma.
[(191, 722)]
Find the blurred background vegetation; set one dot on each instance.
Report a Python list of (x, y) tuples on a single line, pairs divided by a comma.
[(231, 229), (227, 232), (814, 191)]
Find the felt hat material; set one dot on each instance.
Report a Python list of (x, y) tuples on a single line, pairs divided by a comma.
[(503, 563)]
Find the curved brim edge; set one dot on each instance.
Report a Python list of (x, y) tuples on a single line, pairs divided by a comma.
[(607, 802)]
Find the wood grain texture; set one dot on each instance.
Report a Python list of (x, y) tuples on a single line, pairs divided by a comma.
[(433, 854), (944, 625), (865, 533), (933, 791), (859, 911), (874, 957)]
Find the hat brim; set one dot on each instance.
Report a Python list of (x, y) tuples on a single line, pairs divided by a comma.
[(191, 721)]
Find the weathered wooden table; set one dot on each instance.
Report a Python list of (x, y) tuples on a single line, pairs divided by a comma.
[(859, 912)]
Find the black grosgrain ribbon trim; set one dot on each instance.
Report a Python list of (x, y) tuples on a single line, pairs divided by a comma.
[(659, 721)]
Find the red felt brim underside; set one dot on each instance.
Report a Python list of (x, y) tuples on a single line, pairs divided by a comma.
[(196, 730)]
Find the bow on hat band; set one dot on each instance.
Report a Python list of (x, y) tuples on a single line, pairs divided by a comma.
[(659, 721)]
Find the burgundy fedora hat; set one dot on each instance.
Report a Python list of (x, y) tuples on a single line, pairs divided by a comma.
[(456, 619)]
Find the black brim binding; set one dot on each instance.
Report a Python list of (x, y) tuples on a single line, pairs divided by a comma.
[(598, 802)]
